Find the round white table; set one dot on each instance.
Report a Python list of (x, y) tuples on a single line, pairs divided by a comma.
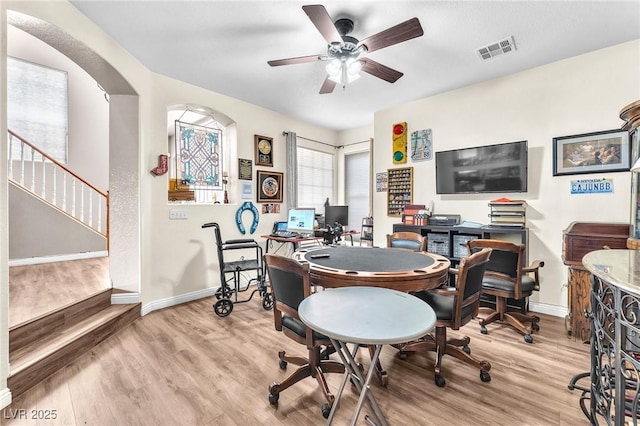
[(371, 316)]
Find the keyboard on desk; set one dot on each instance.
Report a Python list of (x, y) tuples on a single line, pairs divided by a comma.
[(284, 234)]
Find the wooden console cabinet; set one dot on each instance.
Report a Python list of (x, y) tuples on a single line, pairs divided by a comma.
[(579, 239)]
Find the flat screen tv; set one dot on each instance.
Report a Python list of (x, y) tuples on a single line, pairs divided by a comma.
[(490, 168)]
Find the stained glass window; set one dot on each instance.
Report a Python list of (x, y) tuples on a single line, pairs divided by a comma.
[(199, 155)]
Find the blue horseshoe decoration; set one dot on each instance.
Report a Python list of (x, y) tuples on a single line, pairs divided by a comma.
[(247, 205)]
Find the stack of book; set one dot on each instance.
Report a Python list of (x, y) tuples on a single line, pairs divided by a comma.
[(505, 212)]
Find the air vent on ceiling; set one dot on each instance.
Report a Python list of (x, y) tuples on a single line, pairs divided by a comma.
[(498, 48)]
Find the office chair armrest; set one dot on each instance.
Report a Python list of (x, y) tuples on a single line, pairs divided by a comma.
[(534, 266)]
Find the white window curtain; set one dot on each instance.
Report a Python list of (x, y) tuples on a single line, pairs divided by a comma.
[(291, 181), (357, 187)]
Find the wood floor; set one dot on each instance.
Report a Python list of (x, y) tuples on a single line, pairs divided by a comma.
[(186, 366), (35, 290)]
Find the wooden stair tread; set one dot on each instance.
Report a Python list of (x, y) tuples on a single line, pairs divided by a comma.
[(39, 350), (37, 328)]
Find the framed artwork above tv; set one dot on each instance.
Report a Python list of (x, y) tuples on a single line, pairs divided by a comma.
[(483, 169)]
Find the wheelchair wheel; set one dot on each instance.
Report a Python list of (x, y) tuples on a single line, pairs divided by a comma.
[(267, 301), (223, 307)]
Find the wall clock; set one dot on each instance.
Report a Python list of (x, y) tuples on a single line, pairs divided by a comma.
[(264, 150)]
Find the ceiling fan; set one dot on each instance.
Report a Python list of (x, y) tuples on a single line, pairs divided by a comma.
[(343, 52)]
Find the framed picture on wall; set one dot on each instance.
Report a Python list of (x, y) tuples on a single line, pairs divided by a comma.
[(596, 152), (269, 186), (264, 150)]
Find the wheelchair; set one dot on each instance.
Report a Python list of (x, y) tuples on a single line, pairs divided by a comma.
[(224, 305)]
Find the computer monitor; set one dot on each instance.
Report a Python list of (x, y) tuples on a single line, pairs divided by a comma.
[(336, 214), (301, 220)]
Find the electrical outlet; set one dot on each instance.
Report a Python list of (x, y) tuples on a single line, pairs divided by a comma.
[(178, 215)]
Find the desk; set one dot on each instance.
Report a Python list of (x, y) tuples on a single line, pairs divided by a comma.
[(370, 316), (295, 241)]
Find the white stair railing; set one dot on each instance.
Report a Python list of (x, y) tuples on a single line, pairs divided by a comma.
[(33, 171)]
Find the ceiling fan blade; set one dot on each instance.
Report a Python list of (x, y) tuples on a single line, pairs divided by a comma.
[(394, 35), (296, 60), (376, 69), (328, 86), (323, 22)]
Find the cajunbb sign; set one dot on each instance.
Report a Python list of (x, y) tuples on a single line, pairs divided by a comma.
[(591, 186)]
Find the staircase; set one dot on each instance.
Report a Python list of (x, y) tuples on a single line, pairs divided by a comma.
[(34, 171), (44, 345)]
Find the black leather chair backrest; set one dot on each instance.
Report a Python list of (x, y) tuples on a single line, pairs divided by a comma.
[(475, 274), (504, 262), (287, 286)]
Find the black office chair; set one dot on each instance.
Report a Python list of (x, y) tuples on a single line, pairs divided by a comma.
[(252, 263), (507, 277), (454, 307), (407, 240), (290, 284)]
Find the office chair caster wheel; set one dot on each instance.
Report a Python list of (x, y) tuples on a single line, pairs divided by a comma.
[(402, 355), (483, 329), (267, 302), (466, 349), (273, 398), (283, 364), (223, 307), (528, 338), (485, 376), (535, 326), (326, 410), (440, 381)]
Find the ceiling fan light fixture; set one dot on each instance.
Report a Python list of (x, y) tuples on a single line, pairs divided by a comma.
[(334, 68), (343, 50), (354, 67)]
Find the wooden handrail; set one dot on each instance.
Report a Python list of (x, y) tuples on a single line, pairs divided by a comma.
[(57, 163)]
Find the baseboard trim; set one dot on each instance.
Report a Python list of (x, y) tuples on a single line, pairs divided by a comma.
[(5, 398), (544, 308), (176, 300), (57, 258), (125, 298)]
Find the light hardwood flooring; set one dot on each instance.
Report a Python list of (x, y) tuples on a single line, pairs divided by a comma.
[(186, 366), (35, 290)]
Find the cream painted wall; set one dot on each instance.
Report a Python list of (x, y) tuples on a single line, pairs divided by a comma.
[(180, 256), (578, 95)]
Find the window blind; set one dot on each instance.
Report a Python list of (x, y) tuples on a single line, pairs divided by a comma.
[(315, 178), (357, 187), (37, 99)]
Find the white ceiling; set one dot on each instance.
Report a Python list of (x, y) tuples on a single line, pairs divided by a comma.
[(225, 45)]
